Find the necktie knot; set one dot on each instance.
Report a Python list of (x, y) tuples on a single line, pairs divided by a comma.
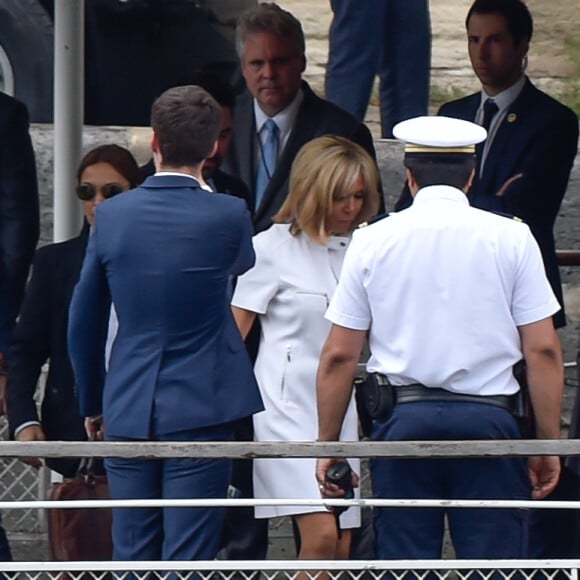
[(271, 128), (490, 108)]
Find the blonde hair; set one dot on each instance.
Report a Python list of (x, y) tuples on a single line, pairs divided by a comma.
[(323, 170)]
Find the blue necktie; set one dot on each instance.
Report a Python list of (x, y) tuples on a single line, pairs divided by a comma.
[(268, 161)]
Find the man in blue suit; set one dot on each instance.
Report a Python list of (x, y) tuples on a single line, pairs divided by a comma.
[(164, 254), (524, 165)]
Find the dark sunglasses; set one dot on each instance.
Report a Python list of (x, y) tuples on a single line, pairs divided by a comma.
[(87, 191)]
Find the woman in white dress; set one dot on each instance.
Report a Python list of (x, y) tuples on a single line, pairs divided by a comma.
[(333, 188)]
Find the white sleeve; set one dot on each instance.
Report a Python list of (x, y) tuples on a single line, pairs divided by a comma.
[(256, 287), (349, 306), (533, 298)]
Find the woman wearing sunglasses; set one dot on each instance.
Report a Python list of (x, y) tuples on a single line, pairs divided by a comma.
[(40, 333)]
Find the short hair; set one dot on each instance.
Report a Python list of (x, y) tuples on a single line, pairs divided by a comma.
[(117, 157), (441, 169), (219, 89), (323, 169), (186, 121), (269, 17), (516, 13)]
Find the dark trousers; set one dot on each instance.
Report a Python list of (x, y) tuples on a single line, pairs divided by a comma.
[(417, 533), (5, 553), (389, 38), (243, 536), (169, 533)]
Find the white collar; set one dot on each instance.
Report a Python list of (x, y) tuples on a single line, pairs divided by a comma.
[(504, 99), (284, 119), (179, 174), (440, 192)]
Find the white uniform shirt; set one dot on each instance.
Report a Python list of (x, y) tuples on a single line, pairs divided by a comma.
[(443, 287)]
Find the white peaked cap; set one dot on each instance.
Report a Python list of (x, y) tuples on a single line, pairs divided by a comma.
[(434, 135)]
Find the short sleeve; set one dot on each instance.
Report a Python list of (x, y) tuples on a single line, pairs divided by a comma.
[(533, 298), (349, 306), (259, 285)]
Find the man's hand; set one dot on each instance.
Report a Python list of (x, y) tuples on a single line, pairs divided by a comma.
[(31, 433), (330, 489), (95, 428), (544, 474), (508, 182)]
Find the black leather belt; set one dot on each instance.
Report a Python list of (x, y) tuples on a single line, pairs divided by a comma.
[(416, 392)]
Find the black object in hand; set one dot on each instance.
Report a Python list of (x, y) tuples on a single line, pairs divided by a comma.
[(340, 474)]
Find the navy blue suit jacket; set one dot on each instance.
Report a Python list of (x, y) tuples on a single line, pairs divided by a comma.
[(19, 214), (164, 253), (538, 138), (316, 117)]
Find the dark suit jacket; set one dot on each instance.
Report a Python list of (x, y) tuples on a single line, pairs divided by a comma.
[(164, 253), (40, 334), (539, 138), (223, 182), (19, 215), (315, 117)]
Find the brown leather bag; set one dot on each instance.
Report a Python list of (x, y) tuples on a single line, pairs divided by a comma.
[(85, 533)]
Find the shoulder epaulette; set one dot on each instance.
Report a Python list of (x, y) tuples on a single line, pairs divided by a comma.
[(508, 215), (374, 220)]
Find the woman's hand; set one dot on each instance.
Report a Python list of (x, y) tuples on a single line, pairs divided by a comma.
[(95, 428), (327, 489), (31, 433)]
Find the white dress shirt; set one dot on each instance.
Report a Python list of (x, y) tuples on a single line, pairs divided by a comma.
[(443, 287)]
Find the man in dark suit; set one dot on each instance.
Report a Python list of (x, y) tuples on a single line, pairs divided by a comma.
[(271, 47), (524, 166), (215, 178), (19, 215), (19, 229), (164, 254)]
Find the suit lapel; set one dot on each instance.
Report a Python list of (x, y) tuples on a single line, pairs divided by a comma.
[(73, 263), (507, 141), (303, 131), (245, 136)]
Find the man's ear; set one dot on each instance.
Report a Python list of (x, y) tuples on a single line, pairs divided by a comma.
[(155, 143), (213, 150), (413, 185), (303, 68), (469, 183), (156, 152)]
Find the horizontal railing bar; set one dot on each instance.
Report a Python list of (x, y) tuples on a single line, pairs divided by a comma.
[(215, 502), (158, 449), (568, 257), (273, 565)]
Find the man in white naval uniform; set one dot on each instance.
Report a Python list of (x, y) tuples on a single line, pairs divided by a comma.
[(451, 298)]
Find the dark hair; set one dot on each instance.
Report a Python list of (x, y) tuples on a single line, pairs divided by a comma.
[(186, 121), (269, 17), (116, 156), (219, 89), (516, 13), (448, 169)]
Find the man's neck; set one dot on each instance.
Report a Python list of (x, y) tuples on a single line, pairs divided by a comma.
[(193, 171), (496, 90)]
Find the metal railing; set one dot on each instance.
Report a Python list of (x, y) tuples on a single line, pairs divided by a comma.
[(291, 569)]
